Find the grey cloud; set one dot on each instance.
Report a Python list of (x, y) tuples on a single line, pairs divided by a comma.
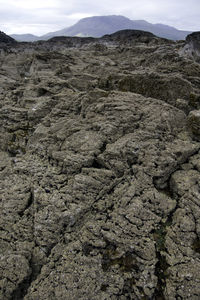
[(182, 14)]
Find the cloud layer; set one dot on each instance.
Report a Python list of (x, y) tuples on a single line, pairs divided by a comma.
[(39, 17)]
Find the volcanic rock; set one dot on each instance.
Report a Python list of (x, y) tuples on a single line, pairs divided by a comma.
[(194, 121), (99, 169), (192, 47), (4, 38), (194, 39)]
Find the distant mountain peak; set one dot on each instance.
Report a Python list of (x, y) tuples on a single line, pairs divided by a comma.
[(97, 26)]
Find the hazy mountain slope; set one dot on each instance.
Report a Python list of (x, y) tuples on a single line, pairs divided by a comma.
[(98, 26), (95, 26), (101, 25), (25, 37)]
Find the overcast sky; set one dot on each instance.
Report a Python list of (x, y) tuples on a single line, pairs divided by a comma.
[(42, 16)]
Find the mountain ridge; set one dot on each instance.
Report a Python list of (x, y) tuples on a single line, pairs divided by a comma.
[(6, 39), (98, 26), (28, 37)]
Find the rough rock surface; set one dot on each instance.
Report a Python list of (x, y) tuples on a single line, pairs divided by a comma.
[(192, 47), (194, 39), (99, 170)]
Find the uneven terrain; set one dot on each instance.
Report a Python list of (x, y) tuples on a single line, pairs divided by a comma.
[(100, 169)]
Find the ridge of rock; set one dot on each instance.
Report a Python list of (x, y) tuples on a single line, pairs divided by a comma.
[(192, 47), (4, 38)]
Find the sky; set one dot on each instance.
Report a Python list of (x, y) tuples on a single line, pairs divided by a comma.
[(42, 16)]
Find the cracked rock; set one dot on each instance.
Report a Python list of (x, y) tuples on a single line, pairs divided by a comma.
[(99, 169)]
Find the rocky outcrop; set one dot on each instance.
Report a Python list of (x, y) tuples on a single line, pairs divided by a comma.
[(127, 35), (194, 122), (99, 170), (6, 39), (194, 39), (192, 47)]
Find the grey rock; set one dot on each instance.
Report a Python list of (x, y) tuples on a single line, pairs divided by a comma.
[(192, 46), (99, 170), (194, 121)]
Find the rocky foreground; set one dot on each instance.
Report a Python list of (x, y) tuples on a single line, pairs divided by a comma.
[(100, 168)]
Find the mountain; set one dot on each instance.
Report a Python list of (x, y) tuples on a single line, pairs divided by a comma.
[(6, 39), (25, 37), (98, 26)]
